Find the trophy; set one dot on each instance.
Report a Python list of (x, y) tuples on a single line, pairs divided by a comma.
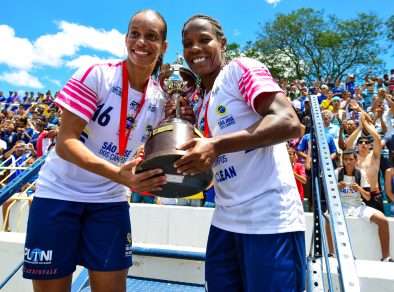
[(160, 148)]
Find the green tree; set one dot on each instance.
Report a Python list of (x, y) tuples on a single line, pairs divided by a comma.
[(390, 32), (307, 44)]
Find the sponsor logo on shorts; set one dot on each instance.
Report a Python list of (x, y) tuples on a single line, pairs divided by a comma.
[(40, 271), (129, 244), (38, 256)]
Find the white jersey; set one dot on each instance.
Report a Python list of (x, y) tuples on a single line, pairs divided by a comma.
[(255, 189), (350, 197), (95, 95)]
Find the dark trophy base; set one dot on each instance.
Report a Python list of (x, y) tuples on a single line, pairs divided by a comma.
[(160, 151), (178, 185)]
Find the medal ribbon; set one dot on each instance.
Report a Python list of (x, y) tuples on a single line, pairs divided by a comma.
[(207, 132), (123, 135)]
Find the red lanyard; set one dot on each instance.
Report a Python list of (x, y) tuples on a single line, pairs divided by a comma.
[(207, 132), (123, 136)]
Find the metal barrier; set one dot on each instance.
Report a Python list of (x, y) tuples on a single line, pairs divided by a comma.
[(9, 189), (323, 179)]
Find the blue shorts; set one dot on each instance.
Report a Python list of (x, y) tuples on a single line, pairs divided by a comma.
[(63, 234), (255, 262)]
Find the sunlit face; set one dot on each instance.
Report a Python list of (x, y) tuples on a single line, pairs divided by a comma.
[(326, 116), (363, 145), (349, 161), (351, 125), (292, 156), (19, 149), (145, 40), (202, 49)]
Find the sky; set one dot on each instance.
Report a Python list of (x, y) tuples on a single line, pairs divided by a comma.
[(42, 43)]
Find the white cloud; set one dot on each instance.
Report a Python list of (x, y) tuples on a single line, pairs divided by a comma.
[(54, 50), (51, 49), (84, 60), (236, 32), (21, 78), (15, 52), (273, 2), (108, 41)]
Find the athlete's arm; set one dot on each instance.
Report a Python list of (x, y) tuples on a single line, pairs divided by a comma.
[(279, 123), (70, 148)]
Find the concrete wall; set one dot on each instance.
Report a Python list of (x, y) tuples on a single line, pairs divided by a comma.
[(189, 226), (179, 228)]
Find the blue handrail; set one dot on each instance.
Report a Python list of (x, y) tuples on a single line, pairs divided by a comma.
[(11, 274), (11, 188)]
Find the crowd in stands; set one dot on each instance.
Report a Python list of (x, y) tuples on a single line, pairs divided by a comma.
[(358, 122), (354, 109), (357, 115)]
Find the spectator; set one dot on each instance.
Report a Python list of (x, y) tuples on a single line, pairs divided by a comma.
[(368, 93), (325, 99), (29, 188), (305, 115), (338, 89), (210, 198), (346, 129), (23, 131), (39, 127), (329, 127), (31, 98), (53, 118), (2, 97), (329, 82), (26, 97), (350, 83), (338, 114), (389, 179), (369, 161), (304, 95), (324, 95), (142, 197), (45, 140), (17, 156), (299, 172), (353, 188), (8, 134), (294, 102)]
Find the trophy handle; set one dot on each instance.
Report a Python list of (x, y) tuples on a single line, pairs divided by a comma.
[(176, 97)]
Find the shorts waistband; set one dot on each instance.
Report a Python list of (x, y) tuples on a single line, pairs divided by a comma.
[(375, 193)]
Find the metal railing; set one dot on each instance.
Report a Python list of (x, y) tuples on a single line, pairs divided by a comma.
[(324, 180)]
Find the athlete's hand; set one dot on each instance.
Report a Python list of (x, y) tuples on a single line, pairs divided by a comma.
[(186, 109), (201, 157), (146, 181)]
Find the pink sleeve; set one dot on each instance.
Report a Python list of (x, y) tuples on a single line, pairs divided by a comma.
[(254, 81), (79, 95)]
